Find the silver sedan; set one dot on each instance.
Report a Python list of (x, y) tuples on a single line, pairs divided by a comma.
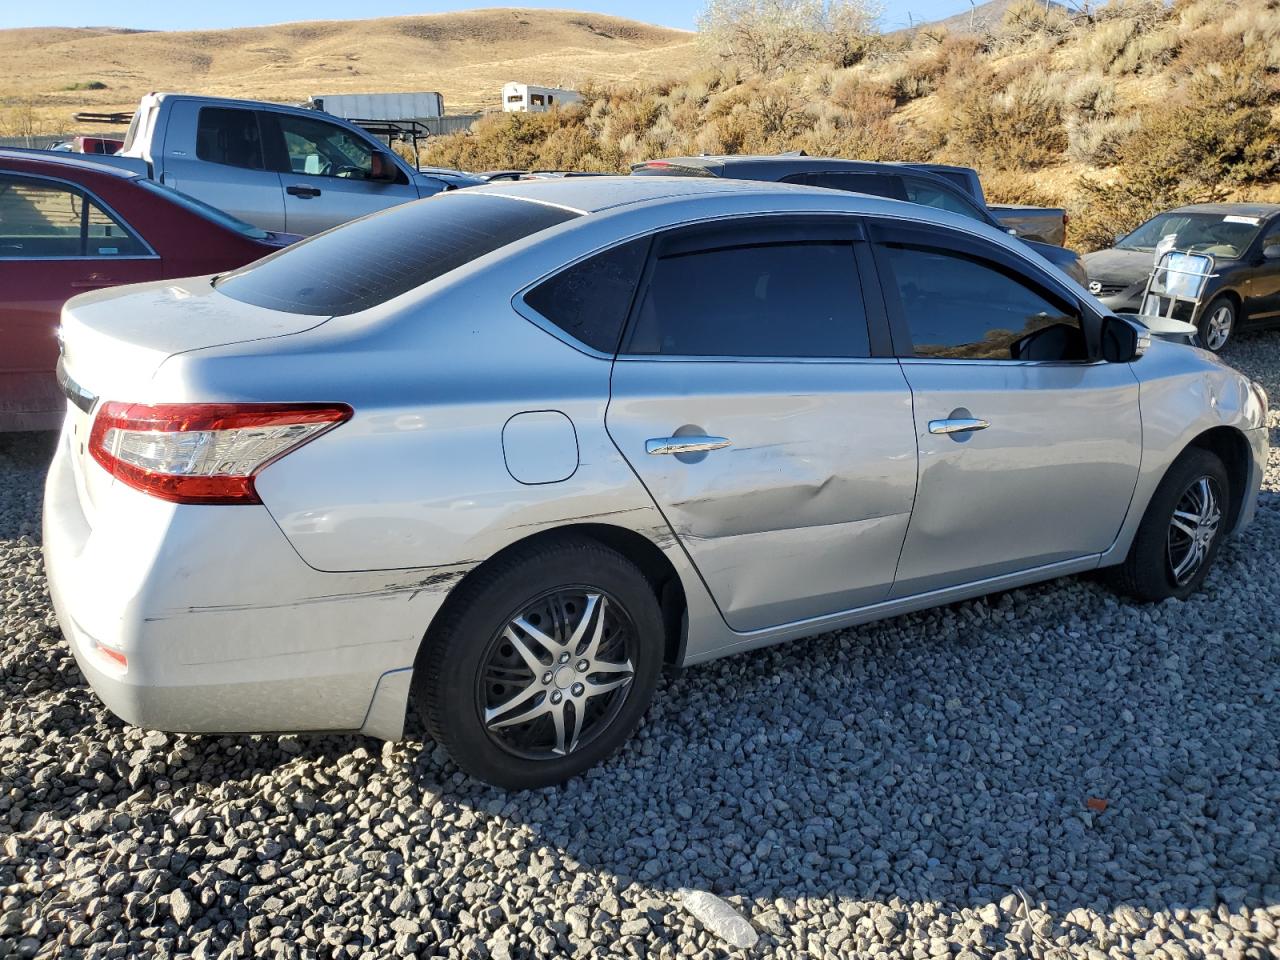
[(504, 454)]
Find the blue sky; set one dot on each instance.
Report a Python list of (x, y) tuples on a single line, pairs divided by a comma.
[(195, 15)]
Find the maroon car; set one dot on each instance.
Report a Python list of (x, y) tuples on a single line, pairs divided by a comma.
[(70, 223)]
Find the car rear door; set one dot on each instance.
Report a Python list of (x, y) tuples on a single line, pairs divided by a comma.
[(216, 154), (1023, 463), (755, 399), (327, 172), (55, 242)]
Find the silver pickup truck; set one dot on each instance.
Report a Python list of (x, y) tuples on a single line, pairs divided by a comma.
[(281, 168)]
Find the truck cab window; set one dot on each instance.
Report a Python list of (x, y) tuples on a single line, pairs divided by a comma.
[(323, 149), (228, 135)]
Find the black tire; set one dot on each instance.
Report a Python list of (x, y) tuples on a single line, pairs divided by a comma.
[(1148, 571), (1220, 310), (453, 678)]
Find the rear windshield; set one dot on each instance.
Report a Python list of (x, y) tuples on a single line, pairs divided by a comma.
[(663, 168), (367, 262)]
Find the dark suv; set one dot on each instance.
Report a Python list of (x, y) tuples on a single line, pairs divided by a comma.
[(895, 181)]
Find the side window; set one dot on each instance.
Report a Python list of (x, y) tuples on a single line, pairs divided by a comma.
[(39, 220), (961, 308), (783, 299), (590, 301), (323, 149), (933, 195), (875, 184), (228, 135)]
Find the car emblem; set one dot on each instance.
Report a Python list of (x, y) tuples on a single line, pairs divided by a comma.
[(1095, 287)]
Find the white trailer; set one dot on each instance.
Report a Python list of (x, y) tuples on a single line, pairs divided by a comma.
[(526, 98), (381, 106)]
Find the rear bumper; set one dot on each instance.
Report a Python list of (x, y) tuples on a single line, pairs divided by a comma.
[(224, 628)]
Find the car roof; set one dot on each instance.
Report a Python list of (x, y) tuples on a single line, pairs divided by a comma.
[(65, 162), (1240, 209), (778, 164), (593, 194)]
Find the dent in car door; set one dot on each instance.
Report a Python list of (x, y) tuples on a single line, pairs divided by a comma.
[(1022, 463), (789, 480), (215, 154)]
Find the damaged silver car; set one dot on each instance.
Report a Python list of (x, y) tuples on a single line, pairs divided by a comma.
[(503, 454)]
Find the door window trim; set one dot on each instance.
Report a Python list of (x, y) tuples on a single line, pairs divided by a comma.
[(873, 299), (949, 240), (105, 207)]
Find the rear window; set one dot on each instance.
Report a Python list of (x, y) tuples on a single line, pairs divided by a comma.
[(663, 168), (367, 262)]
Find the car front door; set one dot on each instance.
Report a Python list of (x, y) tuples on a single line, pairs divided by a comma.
[(329, 173), (755, 398), (1028, 457), (216, 154), (55, 242), (1262, 287)]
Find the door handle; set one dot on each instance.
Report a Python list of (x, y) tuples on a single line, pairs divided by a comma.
[(658, 445), (958, 425), (306, 193), (94, 282)]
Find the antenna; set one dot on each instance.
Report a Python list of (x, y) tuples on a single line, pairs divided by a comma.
[(972, 10)]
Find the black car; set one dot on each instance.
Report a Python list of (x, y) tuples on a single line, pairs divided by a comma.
[(1242, 238), (915, 184)]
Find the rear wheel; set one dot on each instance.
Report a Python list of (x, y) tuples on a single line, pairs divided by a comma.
[(1218, 324), (1181, 531), (543, 665)]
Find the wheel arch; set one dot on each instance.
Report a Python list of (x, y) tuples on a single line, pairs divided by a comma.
[(1231, 294), (636, 547), (1230, 446)]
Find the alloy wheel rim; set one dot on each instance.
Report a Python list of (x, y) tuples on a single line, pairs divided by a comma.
[(1219, 328), (555, 676), (1193, 527)]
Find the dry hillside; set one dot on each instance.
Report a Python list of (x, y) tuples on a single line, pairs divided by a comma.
[(466, 56), (1136, 106)]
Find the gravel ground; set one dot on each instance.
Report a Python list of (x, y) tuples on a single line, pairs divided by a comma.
[(1049, 772)]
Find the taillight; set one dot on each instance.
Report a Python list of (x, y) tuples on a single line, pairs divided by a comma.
[(203, 452)]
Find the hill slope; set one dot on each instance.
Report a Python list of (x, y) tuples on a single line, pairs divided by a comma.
[(466, 56)]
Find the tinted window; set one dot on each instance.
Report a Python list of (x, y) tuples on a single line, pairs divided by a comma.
[(875, 184), (766, 300), (935, 195), (365, 263), (230, 136), (957, 307), (590, 301), (324, 149), (40, 219)]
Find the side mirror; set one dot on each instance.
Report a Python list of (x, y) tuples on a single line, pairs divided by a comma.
[(1271, 251), (382, 168), (1122, 341)]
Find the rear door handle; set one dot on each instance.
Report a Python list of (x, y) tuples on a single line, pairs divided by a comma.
[(659, 445), (306, 193), (93, 283), (958, 425)]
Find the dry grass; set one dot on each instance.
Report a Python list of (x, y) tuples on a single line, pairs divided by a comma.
[(466, 56)]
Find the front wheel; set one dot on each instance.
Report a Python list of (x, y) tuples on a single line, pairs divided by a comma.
[(543, 664), (1181, 531), (1217, 324)]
